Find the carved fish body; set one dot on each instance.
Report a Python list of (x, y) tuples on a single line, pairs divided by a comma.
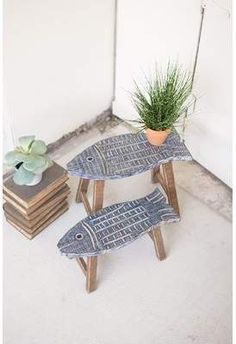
[(116, 226), (126, 155)]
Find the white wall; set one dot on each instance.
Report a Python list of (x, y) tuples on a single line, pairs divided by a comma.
[(147, 32), (209, 133), (58, 64)]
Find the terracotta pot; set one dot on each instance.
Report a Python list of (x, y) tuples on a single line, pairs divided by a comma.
[(157, 137)]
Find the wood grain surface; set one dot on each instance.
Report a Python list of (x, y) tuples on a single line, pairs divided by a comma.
[(27, 196), (31, 235), (29, 211), (50, 203), (33, 222)]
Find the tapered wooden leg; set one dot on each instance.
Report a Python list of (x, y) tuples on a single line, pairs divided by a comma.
[(154, 175), (98, 193), (90, 268), (82, 264), (151, 235), (158, 178), (158, 243), (91, 273), (169, 185), (82, 189)]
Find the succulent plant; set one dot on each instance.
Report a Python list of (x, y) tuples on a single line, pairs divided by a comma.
[(29, 159)]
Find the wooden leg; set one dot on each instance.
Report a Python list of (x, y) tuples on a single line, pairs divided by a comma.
[(169, 185), (82, 188), (82, 264), (154, 175), (98, 192), (158, 243), (151, 235), (91, 273), (91, 270), (157, 178)]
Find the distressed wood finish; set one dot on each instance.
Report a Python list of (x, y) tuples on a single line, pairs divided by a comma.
[(98, 192), (58, 193), (157, 177), (32, 225), (167, 181), (126, 155), (156, 237), (158, 243), (31, 235), (91, 276), (30, 209), (154, 175), (29, 196), (113, 166), (151, 235), (169, 185), (116, 226), (90, 268), (82, 264), (82, 189)]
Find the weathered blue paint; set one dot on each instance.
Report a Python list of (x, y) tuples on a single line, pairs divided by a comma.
[(116, 226), (126, 155)]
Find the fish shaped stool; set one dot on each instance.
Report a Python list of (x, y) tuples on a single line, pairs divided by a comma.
[(126, 155), (118, 225)]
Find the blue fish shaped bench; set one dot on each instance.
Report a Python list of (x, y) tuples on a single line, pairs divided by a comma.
[(116, 226), (126, 155)]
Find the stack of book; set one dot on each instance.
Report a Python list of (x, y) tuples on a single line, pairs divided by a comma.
[(30, 209)]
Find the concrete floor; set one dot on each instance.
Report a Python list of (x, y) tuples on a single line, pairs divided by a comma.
[(140, 300)]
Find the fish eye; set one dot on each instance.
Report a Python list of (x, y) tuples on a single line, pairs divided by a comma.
[(79, 236), (89, 158)]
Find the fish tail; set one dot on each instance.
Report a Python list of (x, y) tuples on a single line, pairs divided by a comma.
[(159, 210), (155, 197)]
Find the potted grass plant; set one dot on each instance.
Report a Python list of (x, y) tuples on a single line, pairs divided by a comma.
[(162, 101), (29, 160)]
